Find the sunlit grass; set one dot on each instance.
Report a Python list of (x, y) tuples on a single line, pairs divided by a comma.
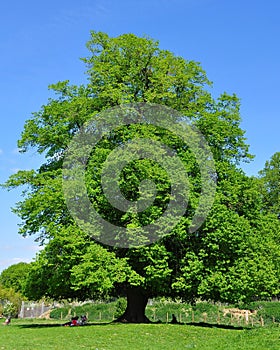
[(40, 334)]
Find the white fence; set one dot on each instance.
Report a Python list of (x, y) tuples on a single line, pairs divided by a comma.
[(32, 310)]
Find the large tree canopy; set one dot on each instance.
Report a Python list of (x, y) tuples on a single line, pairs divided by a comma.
[(221, 260)]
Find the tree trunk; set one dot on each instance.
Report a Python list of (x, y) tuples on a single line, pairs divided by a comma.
[(136, 305)]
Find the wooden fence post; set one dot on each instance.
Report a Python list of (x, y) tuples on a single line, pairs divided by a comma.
[(218, 318), (204, 317), (246, 317)]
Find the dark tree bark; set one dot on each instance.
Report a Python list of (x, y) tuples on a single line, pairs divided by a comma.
[(136, 304)]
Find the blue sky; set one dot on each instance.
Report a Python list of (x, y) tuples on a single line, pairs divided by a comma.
[(236, 42)]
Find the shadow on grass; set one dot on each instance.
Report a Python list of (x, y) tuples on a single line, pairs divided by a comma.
[(210, 325), (196, 324), (206, 325), (61, 325)]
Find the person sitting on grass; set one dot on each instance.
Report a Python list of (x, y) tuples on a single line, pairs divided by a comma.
[(83, 320), (73, 322), (7, 321)]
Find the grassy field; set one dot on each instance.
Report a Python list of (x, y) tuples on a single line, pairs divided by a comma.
[(49, 334)]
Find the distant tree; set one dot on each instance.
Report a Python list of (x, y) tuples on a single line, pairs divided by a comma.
[(210, 263), (270, 184), (14, 276)]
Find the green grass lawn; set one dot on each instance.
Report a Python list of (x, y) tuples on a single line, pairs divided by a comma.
[(40, 335)]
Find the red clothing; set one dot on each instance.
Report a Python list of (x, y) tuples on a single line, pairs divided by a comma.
[(74, 323)]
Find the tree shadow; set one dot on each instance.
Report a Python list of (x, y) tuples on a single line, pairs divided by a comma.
[(60, 325), (216, 325), (89, 324)]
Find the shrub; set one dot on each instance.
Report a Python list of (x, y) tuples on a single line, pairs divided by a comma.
[(10, 302)]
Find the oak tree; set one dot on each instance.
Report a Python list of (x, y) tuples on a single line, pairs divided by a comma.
[(206, 263)]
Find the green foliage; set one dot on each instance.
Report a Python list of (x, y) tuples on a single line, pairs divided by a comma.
[(10, 309), (268, 310), (60, 269), (232, 260), (270, 184), (10, 302), (14, 276), (120, 307), (94, 311)]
